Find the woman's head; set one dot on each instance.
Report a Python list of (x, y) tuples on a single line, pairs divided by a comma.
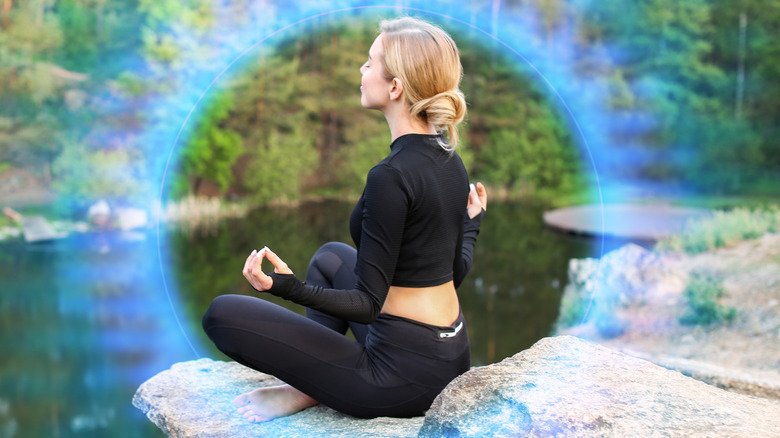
[(427, 61)]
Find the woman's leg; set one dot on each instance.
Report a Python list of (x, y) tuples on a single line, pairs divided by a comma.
[(319, 362), (333, 266)]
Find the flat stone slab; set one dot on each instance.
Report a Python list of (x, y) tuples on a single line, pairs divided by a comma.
[(38, 229), (562, 386), (643, 221), (195, 399), (567, 387)]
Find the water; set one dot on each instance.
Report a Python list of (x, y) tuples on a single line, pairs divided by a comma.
[(87, 319), (83, 324)]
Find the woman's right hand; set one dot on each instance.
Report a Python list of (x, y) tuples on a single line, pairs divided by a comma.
[(477, 200), (253, 269)]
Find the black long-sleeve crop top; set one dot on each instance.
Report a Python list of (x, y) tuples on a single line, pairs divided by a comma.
[(410, 228)]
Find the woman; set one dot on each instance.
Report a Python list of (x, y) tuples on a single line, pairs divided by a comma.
[(414, 228)]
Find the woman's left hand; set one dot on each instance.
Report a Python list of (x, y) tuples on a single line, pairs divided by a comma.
[(253, 269), (477, 200)]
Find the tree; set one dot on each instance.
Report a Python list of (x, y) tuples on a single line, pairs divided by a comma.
[(211, 149)]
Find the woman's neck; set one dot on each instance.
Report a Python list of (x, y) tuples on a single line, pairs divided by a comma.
[(404, 124)]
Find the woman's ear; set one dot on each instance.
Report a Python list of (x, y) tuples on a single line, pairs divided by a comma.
[(396, 89)]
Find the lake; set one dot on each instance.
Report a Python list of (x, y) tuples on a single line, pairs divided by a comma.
[(87, 319)]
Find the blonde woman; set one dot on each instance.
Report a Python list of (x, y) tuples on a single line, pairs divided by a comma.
[(414, 227)]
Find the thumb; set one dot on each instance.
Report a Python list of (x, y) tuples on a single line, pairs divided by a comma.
[(280, 267), (473, 193)]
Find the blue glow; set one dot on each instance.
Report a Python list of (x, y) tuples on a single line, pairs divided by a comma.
[(549, 56), (574, 98)]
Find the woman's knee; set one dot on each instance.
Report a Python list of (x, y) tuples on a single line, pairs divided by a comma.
[(331, 257), (218, 312)]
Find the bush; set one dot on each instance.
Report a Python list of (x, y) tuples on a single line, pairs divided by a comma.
[(702, 293), (723, 228)]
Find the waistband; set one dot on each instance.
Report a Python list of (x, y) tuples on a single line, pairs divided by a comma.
[(442, 332)]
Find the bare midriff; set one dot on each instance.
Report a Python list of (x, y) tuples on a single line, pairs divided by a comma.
[(436, 305)]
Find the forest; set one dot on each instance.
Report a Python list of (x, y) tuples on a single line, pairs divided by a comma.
[(100, 98)]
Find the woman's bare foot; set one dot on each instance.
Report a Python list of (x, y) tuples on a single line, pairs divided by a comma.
[(271, 402)]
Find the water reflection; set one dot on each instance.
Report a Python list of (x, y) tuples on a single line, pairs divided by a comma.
[(84, 322)]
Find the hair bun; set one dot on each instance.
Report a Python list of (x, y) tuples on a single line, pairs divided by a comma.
[(444, 111)]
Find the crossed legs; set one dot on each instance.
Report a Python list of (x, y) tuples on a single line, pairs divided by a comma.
[(247, 327)]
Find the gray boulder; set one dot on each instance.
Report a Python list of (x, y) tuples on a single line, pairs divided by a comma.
[(195, 399), (599, 289), (564, 386)]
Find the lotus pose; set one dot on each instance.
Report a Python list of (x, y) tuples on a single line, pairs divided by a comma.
[(414, 227)]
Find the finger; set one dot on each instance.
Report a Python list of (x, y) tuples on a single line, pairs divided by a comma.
[(249, 261), (280, 267), (482, 194), (473, 196), (256, 267)]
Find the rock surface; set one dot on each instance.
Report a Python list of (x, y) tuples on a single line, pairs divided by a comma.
[(561, 386), (195, 399), (564, 386), (635, 303), (599, 289)]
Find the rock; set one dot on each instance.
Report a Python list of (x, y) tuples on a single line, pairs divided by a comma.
[(99, 214), (128, 218), (565, 386), (562, 386), (598, 288), (39, 229), (636, 303), (722, 377), (195, 399)]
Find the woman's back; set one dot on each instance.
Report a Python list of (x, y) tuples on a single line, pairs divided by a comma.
[(408, 229), (410, 216)]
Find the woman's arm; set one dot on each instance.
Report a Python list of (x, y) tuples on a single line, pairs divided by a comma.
[(386, 202), (477, 204)]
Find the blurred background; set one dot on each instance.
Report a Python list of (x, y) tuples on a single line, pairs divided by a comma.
[(147, 146)]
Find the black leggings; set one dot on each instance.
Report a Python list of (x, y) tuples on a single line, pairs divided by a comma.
[(396, 367)]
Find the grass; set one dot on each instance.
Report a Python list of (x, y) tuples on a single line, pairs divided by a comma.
[(722, 229), (197, 212), (702, 293)]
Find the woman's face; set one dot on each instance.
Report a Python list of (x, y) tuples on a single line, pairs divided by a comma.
[(374, 87)]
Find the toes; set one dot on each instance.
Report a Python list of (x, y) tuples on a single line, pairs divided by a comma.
[(241, 400), (252, 416)]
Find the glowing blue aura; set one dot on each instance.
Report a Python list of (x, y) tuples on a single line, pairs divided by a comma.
[(518, 33)]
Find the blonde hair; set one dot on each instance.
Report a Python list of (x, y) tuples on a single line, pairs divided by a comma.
[(427, 61)]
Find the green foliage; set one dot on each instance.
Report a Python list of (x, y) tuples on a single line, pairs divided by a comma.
[(281, 142), (83, 175), (165, 48), (211, 149), (370, 142), (529, 156), (279, 166), (702, 294), (517, 141), (723, 228), (307, 134), (683, 61), (678, 61), (77, 21)]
